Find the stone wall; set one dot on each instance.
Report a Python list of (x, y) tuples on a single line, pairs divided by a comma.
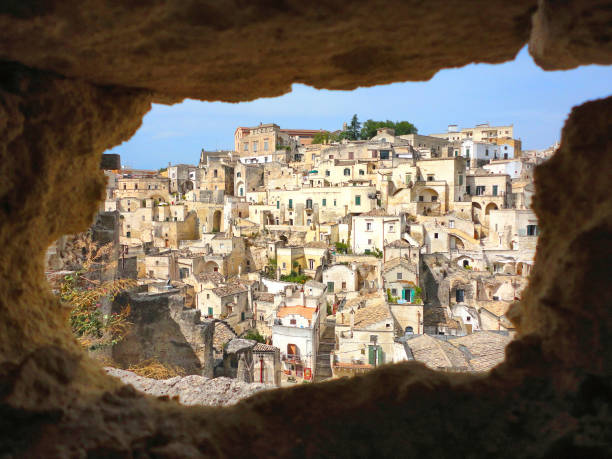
[(164, 330), (76, 79)]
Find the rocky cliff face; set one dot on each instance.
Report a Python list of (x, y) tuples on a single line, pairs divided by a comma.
[(164, 330), (192, 390)]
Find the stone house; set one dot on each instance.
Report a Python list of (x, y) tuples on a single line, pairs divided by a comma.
[(316, 256), (266, 364), (305, 206), (406, 247), (365, 332), (401, 278), (341, 278), (374, 229)]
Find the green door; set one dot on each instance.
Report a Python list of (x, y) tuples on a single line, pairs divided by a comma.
[(210, 311), (372, 355), (406, 294), (381, 356)]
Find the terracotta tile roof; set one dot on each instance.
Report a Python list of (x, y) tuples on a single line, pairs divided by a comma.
[(366, 316), (263, 296), (437, 353), (260, 347), (229, 289), (299, 310), (214, 276), (395, 262), (223, 334)]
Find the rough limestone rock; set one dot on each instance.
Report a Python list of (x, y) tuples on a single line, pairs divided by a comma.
[(240, 50), (570, 33), (193, 389), (80, 78)]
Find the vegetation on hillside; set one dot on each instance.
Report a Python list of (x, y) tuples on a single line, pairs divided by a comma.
[(355, 130)]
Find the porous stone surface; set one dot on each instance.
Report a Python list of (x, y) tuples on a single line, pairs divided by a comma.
[(551, 396), (570, 33), (191, 390), (240, 50)]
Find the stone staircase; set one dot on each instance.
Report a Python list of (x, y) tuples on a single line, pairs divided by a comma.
[(326, 345)]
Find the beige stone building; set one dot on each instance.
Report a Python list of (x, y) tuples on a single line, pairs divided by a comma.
[(480, 132)]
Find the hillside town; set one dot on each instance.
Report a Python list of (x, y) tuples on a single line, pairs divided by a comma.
[(300, 256)]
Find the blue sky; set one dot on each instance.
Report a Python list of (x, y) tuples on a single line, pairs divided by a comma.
[(518, 92)]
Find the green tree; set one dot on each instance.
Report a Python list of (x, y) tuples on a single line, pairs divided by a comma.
[(369, 128), (255, 336), (353, 129)]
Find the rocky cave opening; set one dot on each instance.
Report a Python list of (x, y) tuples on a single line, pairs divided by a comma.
[(70, 93)]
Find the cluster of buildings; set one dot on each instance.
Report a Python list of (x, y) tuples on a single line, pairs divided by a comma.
[(341, 256)]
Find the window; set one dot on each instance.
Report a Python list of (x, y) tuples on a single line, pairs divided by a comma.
[(451, 223), (292, 321), (430, 177), (136, 186), (266, 145), (357, 200), (324, 202), (467, 152), (494, 190), (374, 154), (399, 276), (487, 152), (408, 178), (480, 190), (460, 295), (284, 265), (384, 154), (361, 172), (278, 204), (393, 291), (215, 173), (460, 180), (369, 226), (434, 198), (331, 156), (369, 241), (532, 230), (467, 189), (435, 235), (246, 146), (330, 287), (311, 264), (254, 146), (347, 171), (351, 155), (238, 174), (391, 228), (334, 203), (343, 285), (291, 203), (327, 173), (210, 311), (421, 199)]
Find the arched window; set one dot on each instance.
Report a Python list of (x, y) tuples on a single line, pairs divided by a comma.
[(347, 171), (238, 174)]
